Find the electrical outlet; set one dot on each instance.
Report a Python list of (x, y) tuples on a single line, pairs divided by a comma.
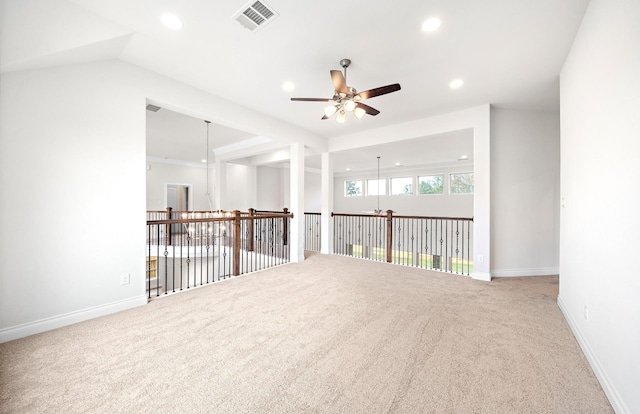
[(480, 258), (124, 279), (586, 313)]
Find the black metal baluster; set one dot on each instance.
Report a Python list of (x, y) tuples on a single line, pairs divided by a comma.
[(469, 248), (149, 263), (157, 260), (457, 245), (166, 267)]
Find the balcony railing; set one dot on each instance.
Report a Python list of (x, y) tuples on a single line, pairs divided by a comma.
[(436, 243), (189, 249), (312, 231)]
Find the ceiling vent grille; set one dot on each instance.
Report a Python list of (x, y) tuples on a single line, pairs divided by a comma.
[(255, 15), (152, 108)]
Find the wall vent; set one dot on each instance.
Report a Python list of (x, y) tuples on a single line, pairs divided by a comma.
[(152, 108), (255, 15)]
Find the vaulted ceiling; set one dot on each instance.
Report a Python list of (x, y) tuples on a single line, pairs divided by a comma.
[(508, 53)]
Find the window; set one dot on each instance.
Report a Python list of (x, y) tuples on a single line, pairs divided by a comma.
[(461, 183), (352, 188), (376, 187), (402, 186), (431, 184)]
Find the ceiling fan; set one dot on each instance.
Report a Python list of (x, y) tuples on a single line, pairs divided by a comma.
[(347, 99)]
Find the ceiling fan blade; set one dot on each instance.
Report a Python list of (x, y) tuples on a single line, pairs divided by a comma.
[(324, 117), (312, 99), (339, 84), (367, 108), (379, 91)]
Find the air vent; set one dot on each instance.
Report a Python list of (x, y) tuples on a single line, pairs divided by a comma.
[(255, 15), (152, 108)]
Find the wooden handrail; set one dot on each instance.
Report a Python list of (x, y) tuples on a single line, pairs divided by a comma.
[(202, 220), (402, 217)]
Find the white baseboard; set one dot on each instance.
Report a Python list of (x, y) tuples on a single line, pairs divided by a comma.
[(486, 277), (614, 398), (58, 321), (540, 271)]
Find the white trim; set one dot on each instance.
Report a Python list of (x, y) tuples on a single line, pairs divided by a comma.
[(54, 322), (541, 271), (485, 277), (171, 161), (614, 397)]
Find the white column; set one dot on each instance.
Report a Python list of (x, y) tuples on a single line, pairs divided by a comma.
[(296, 198), (326, 236), (220, 183), (482, 197)]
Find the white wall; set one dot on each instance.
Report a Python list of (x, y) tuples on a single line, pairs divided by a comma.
[(241, 191), (72, 159), (160, 174), (440, 205), (312, 192), (525, 192), (599, 237), (270, 189)]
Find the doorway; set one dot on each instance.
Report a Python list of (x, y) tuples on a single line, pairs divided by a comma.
[(178, 197)]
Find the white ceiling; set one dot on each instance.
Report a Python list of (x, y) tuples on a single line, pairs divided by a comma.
[(508, 52)]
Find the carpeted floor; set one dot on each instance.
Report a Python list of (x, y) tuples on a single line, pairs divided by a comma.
[(328, 335)]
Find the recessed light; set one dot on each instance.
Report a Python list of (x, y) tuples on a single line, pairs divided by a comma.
[(289, 86), (398, 164), (348, 169), (171, 21), (204, 160), (456, 83), (463, 158), (431, 24)]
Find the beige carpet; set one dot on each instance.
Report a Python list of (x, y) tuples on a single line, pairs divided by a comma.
[(328, 335)]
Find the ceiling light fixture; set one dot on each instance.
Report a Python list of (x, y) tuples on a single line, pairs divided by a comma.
[(170, 21), (456, 83), (359, 112), (431, 24), (349, 106), (330, 110), (289, 86)]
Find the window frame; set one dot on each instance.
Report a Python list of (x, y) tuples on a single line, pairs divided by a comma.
[(382, 188), (473, 189), (360, 187), (443, 175), (412, 184)]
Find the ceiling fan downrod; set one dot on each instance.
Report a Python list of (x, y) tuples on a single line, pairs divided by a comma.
[(345, 64)]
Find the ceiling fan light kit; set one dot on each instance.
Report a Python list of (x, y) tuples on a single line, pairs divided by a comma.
[(347, 99)]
